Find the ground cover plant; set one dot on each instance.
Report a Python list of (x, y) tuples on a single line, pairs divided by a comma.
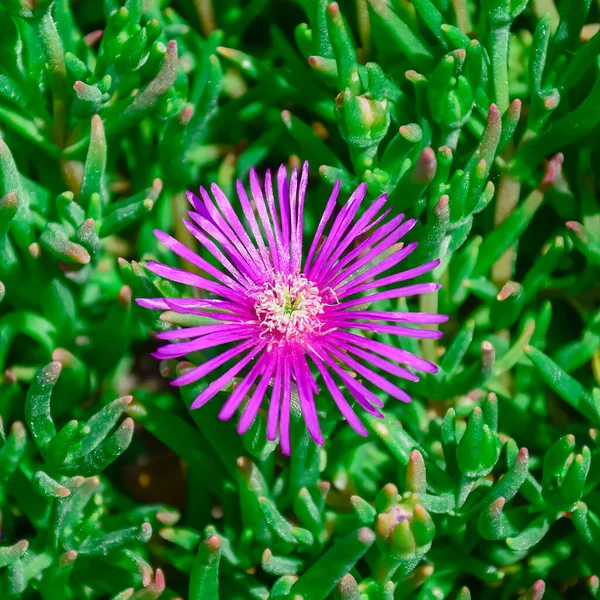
[(479, 120)]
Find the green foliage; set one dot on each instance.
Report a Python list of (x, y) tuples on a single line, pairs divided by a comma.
[(52, 480), (480, 119)]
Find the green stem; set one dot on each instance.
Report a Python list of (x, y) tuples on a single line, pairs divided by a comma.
[(547, 7), (25, 127), (498, 42), (206, 14), (509, 190), (463, 19), (389, 566), (363, 158), (364, 28), (53, 48)]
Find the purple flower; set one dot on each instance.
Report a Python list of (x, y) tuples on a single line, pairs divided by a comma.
[(280, 321)]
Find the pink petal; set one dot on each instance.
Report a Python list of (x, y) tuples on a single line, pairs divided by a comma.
[(243, 387), (212, 364), (191, 279), (209, 341), (187, 254), (376, 379), (249, 213), (216, 252), (261, 207), (409, 332), (340, 225), (284, 422), (386, 263), (355, 230), (339, 399), (247, 250), (371, 255), (403, 292), (407, 358), (253, 406), (218, 384), (274, 405), (378, 362), (418, 318), (305, 393), (321, 227), (393, 279), (199, 330)]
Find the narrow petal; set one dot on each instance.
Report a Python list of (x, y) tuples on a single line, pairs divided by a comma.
[(339, 399), (194, 306), (209, 341), (284, 422), (187, 254), (403, 292), (371, 255), (363, 247), (261, 207), (274, 217), (191, 279), (243, 387), (275, 403), (284, 213), (248, 251), (382, 364), (221, 317), (297, 256), (409, 332), (253, 406), (387, 263), (218, 384), (340, 225), (418, 318), (184, 303), (376, 379), (234, 221), (363, 395), (322, 223), (355, 230), (392, 279), (212, 364), (216, 252), (153, 303), (370, 226), (292, 203), (187, 333), (249, 213), (305, 393), (403, 356), (241, 259), (197, 205)]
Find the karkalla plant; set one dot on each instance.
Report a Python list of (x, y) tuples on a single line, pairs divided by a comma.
[(53, 478), (292, 317), (478, 120)]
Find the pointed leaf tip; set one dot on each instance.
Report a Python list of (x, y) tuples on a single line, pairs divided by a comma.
[(333, 9)]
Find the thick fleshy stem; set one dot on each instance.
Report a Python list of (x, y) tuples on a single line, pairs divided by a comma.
[(499, 41)]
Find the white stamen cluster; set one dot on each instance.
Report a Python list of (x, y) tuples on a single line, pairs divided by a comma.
[(288, 307)]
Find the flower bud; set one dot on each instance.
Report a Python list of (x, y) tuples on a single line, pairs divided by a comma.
[(406, 530), (363, 121)]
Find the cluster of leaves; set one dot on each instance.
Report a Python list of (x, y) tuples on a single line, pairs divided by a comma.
[(478, 118), (75, 536)]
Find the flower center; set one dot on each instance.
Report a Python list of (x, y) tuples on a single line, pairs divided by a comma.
[(288, 307)]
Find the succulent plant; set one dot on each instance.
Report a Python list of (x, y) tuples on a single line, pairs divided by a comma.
[(479, 120)]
